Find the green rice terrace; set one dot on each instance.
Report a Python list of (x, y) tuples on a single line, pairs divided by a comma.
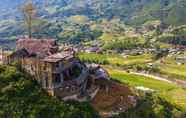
[(115, 59), (115, 65), (170, 92), (169, 67)]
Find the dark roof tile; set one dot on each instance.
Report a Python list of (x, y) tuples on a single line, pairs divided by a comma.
[(39, 47)]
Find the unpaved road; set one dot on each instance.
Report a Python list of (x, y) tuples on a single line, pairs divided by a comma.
[(180, 83)]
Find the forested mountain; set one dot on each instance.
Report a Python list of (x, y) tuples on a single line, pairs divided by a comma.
[(132, 11), (55, 15), (140, 43)]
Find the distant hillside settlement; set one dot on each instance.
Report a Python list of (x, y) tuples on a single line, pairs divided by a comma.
[(60, 73)]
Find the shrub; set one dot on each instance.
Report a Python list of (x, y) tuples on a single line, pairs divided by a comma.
[(21, 97), (152, 106)]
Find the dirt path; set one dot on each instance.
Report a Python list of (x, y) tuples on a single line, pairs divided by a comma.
[(180, 83)]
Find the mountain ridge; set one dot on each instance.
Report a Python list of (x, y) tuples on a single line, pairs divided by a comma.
[(131, 11), (56, 13)]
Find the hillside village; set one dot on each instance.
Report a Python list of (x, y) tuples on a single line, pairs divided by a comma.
[(72, 59), (65, 72), (90, 72)]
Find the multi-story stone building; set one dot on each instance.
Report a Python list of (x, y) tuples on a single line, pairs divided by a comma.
[(61, 74)]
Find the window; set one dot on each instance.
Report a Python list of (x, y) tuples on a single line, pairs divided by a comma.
[(57, 78), (46, 81), (45, 66), (65, 75), (76, 71), (57, 65)]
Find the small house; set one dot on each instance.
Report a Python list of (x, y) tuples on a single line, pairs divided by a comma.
[(41, 59)]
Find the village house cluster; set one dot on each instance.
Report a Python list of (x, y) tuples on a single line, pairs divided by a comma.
[(60, 73)]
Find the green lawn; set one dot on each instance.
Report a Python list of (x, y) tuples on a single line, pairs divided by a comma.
[(169, 91)]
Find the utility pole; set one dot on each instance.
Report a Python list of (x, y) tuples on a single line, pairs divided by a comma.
[(28, 12)]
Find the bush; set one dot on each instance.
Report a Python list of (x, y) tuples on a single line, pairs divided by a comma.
[(93, 58), (126, 43), (152, 106), (139, 68), (21, 97), (161, 53)]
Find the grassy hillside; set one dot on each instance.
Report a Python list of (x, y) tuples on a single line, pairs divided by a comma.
[(134, 12), (170, 92), (62, 13)]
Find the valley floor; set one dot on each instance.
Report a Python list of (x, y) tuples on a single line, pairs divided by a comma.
[(167, 83)]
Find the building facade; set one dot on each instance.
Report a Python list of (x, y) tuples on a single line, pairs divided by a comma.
[(41, 59), (61, 74)]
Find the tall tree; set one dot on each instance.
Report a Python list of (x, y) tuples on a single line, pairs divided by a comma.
[(28, 12)]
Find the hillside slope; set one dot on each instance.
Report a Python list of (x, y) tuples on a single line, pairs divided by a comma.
[(130, 10), (57, 12)]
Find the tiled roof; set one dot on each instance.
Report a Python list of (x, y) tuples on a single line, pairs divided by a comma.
[(22, 52), (38, 47), (59, 56)]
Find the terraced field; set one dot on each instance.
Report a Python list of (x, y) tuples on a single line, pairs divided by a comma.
[(169, 68), (114, 59), (172, 69), (137, 80), (170, 92)]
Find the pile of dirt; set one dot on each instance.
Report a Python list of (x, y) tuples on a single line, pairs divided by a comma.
[(118, 99)]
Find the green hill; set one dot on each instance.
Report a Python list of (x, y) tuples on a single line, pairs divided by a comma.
[(56, 17)]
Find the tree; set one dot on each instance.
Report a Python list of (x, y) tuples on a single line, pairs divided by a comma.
[(161, 53), (28, 12), (151, 106), (22, 97)]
